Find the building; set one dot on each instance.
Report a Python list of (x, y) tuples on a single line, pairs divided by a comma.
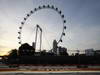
[(89, 52), (55, 47), (62, 51), (97, 52), (26, 49)]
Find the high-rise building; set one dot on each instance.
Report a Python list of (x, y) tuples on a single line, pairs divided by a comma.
[(62, 51), (97, 52), (89, 52), (55, 47), (33, 45)]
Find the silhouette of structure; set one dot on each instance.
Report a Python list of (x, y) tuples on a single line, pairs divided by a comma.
[(27, 54), (97, 52), (62, 51), (55, 47), (51, 7), (33, 45), (26, 49), (13, 53), (89, 52), (38, 27)]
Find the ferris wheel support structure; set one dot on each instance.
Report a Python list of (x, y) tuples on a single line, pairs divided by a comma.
[(38, 27)]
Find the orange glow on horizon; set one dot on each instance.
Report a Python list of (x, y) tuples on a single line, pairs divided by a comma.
[(4, 51)]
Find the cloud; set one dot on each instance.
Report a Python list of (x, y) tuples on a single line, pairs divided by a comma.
[(2, 32)]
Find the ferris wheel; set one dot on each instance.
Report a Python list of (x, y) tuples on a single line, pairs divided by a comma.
[(28, 16)]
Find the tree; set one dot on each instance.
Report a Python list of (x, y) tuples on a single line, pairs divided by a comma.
[(13, 53), (12, 60)]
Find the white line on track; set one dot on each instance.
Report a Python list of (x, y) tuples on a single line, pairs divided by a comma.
[(24, 72)]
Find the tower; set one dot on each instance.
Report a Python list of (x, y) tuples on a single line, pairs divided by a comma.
[(55, 47)]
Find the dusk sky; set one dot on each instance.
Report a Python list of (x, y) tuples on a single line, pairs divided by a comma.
[(82, 21)]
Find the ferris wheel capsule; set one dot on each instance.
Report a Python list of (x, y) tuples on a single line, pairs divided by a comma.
[(31, 11), (18, 37), (24, 18), (48, 6), (64, 27), (62, 16), (35, 9), (43, 6), (39, 7), (22, 23), (28, 15), (59, 12), (60, 40), (19, 42), (64, 21), (64, 34), (19, 33), (56, 9), (20, 27), (52, 7)]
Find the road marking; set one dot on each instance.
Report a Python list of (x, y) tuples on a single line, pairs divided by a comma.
[(14, 72)]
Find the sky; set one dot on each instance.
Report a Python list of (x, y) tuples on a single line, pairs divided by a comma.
[(82, 21)]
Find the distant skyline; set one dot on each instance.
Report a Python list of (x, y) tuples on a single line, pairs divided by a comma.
[(82, 21)]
